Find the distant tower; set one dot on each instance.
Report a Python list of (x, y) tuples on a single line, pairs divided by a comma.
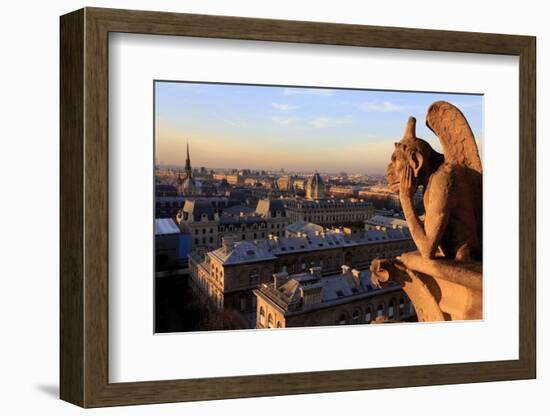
[(188, 170), (187, 185), (315, 187)]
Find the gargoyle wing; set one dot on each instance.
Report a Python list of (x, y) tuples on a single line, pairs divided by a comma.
[(451, 127)]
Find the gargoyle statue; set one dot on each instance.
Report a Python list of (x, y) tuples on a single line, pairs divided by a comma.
[(452, 185), (443, 280)]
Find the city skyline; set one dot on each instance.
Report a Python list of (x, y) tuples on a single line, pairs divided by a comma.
[(293, 128)]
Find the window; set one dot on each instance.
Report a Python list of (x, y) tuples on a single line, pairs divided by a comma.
[(368, 315), (262, 316), (270, 321), (380, 310), (355, 317), (278, 324), (254, 279), (390, 309), (211, 239)]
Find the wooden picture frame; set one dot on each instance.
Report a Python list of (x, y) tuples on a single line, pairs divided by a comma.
[(84, 207)]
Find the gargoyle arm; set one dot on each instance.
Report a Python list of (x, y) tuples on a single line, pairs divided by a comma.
[(427, 237)]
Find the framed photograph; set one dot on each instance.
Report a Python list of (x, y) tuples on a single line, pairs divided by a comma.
[(255, 207)]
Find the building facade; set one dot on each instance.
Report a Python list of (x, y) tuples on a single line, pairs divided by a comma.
[(285, 183), (208, 226), (345, 191), (311, 299), (329, 212), (229, 274), (168, 206)]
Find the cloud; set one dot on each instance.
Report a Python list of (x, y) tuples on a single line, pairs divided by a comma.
[(324, 122), (319, 92), (385, 106), (283, 107), (283, 120)]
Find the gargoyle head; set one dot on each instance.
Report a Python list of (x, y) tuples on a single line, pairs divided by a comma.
[(410, 151)]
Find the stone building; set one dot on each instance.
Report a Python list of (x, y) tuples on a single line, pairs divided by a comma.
[(285, 183), (299, 183), (311, 299), (315, 187), (298, 228), (200, 220), (329, 212), (380, 221), (228, 274), (344, 191), (207, 226), (381, 197), (231, 178), (168, 206)]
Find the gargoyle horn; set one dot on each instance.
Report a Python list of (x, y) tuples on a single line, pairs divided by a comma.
[(410, 130)]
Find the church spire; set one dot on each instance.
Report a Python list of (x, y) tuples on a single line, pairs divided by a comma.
[(188, 170)]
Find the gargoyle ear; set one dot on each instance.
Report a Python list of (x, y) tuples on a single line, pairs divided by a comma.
[(396, 144), (415, 161)]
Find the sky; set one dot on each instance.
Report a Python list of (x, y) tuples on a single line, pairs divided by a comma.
[(294, 128)]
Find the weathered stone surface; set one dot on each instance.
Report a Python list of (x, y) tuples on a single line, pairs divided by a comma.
[(440, 289), (443, 280)]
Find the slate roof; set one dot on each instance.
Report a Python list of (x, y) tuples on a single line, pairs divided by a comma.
[(335, 288), (198, 207), (241, 252), (268, 208), (304, 227), (165, 226), (269, 248), (386, 221)]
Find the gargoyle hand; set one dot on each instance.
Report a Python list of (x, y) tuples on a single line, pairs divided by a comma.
[(407, 186), (379, 273)]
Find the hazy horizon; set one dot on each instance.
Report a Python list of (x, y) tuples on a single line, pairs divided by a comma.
[(298, 129)]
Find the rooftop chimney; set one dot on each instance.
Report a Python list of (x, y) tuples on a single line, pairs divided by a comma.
[(228, 242), (311, 294), (356, 274), (280, 279)]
